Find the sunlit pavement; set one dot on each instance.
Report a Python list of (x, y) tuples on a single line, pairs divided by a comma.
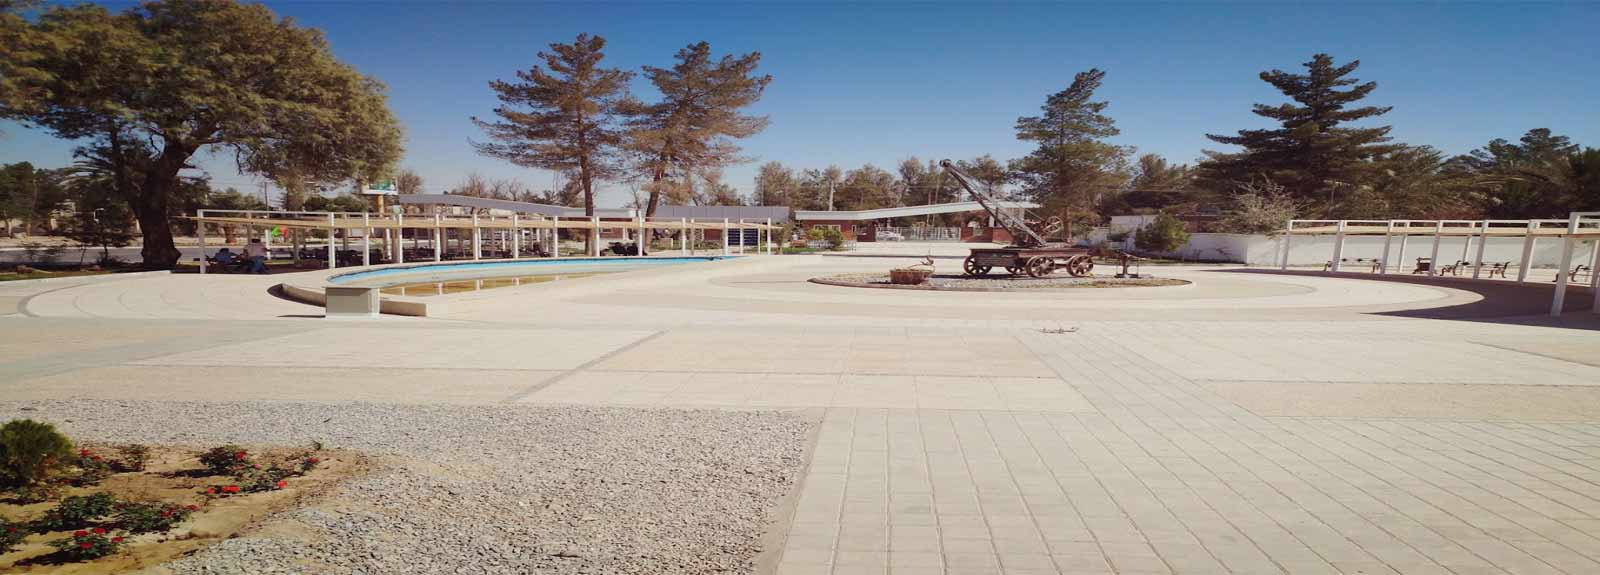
[(1246, 423)]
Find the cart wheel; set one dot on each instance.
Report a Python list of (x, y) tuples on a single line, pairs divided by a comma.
[(1040, 266), (1080, 266), (971, 267), (1016, 271)]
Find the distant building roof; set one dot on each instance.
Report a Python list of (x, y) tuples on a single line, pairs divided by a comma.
[(905, 211), (508, 205), (777, 213)]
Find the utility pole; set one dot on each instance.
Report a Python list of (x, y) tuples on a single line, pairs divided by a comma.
[(830, 194), (265, 198)]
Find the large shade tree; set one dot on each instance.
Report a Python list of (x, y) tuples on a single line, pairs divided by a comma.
[(1314, 152), (693, 127), (190, 75), (564, 116)]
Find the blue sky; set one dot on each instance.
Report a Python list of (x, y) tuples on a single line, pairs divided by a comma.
[(875, 83)]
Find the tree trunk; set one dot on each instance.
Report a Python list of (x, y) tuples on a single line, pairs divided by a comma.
[(655, 191), (159, 251), (150, 205)]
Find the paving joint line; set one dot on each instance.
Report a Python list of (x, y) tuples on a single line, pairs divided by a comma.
[(541, 385)]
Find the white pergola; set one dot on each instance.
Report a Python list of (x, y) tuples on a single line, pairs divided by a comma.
[(337, 227), (1579, 226)]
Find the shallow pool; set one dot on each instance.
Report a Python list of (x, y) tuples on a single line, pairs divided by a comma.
[(443, 277), (425, 289)]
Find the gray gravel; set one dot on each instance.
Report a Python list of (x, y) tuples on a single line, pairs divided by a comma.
[(490, 489)]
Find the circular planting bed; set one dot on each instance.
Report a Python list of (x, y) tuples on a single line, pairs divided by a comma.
[(1002, 282)]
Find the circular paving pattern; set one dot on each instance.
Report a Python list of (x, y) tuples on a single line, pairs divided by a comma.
[(993, 283)]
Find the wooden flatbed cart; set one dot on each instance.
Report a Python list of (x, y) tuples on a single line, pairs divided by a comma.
[(1036, 262), (1029, 253)]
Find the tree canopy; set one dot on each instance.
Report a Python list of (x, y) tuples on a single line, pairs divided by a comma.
[(188, 75), (1072, 165), (1313, 152), (563, 116), (693, 127)]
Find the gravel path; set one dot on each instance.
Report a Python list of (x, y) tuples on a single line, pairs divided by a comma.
[(490, 489)]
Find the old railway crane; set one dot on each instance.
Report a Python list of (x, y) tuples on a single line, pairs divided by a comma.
[(1029, 252)]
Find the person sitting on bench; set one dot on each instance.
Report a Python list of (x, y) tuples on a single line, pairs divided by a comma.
[(257, 252)]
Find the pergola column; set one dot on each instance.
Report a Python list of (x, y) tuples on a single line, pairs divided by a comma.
[(516, 237), (333, 256), (641, 242), (683, 235), (438, 237), (1388, 238), (400, 238), (1288, 233), (769, 236), (1483, 242), (1338, 245), (1433, 260), (1568, 242), (724, 236), (477, 238), (1401, 256), (1527, 251), (200, 237), (366, 239), (594, 236)]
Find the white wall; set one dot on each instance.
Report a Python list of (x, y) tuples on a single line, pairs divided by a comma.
[(1262, 250)]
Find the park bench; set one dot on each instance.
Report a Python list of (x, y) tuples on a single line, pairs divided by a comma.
[(1498, 268), (1455, 268), (1423, 265), (1579, 273), (1371, 262)]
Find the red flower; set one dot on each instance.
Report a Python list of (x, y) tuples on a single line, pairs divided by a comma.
[(11, 530), (99, 531), (166, 513), (191, 507), (86, 545), (211, 491), (313, 461), (116, 539), (80, 533), (83, 452), (282, 484), (241, 455), (231, 489)]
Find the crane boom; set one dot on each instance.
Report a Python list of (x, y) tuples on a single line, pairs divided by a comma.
[(1021, 234)]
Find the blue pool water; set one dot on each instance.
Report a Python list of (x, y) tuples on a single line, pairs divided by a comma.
[(472, 270)]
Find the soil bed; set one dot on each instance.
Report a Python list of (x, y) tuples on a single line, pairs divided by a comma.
[(996, 282), (173, 475)]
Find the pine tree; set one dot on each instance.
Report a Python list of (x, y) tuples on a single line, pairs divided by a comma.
[(1313, 154), (693, 126), (1072, 165), (564, 118)]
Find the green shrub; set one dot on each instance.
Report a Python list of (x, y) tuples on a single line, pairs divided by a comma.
[(831, 236), (1165, 234), (88, 545), (131, 457), (151, 517), (76, 512), (92, 469), (226, 460), (11, 535), (29, 450)]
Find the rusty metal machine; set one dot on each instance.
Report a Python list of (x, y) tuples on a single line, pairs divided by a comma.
[(1028, 253)]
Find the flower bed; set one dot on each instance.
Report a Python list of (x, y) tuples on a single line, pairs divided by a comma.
[(109, 509)]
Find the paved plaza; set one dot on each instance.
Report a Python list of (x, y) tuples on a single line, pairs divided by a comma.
[(1251, 422)]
